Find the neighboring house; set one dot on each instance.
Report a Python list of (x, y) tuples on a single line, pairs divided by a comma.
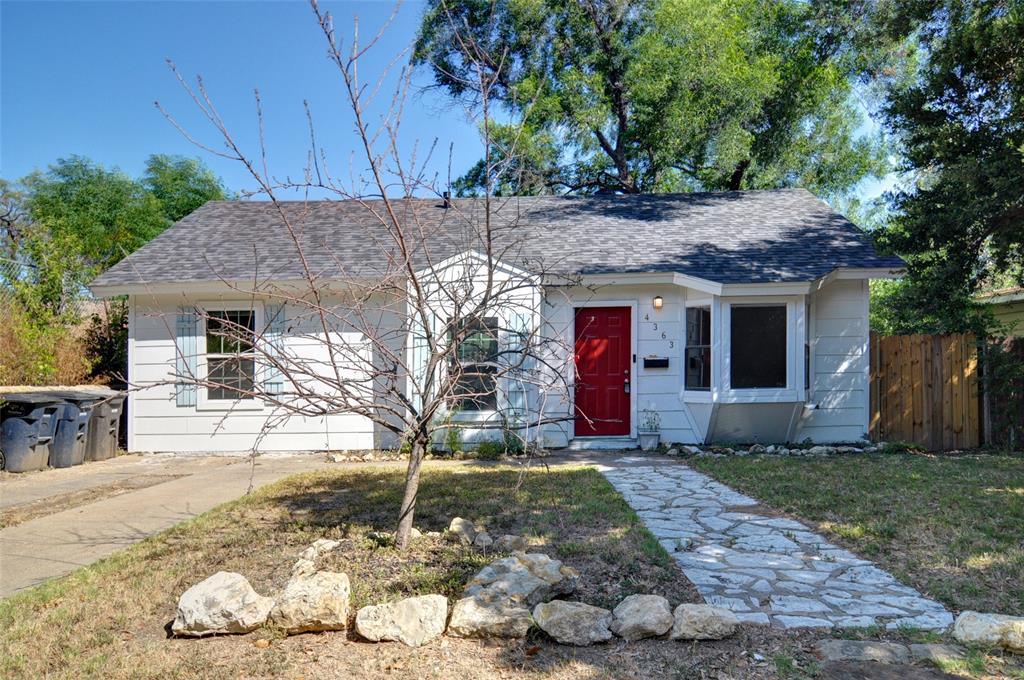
[(737, 316), (1007, 307)]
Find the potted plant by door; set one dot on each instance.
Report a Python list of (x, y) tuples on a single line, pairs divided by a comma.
[(649, 430)]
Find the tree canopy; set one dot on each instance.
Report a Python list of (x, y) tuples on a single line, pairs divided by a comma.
[(959, 120), (77, 218), (657, 95)]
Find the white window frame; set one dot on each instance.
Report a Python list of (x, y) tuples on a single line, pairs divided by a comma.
[(708, 395), (485, 414), (795, 330), (203, 403)]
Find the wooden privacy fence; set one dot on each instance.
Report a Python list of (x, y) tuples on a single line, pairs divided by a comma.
[(924, 389)]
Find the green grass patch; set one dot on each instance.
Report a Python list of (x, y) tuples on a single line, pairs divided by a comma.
[(951, 526)]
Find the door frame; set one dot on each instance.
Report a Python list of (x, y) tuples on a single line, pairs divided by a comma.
[(633, 306)]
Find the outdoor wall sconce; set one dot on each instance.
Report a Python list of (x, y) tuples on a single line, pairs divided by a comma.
[(659, 302)]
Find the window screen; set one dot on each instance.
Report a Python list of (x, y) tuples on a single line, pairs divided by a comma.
[(758, 340), (698, 348)]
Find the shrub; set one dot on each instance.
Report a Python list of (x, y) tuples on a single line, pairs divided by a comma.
[(490, 450), (39, 348), (514, 445)]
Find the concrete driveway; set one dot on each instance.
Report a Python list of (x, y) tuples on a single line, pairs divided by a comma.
[(122, 501)]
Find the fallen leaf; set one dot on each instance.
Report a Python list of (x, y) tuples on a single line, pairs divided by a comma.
[(532, 651)]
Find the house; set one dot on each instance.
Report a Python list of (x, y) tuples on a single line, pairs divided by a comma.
[(1007, 305), (739, 316)]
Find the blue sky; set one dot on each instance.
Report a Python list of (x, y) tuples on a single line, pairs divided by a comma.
[(81, 78)]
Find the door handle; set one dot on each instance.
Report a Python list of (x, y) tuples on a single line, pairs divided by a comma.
[(625, 386)]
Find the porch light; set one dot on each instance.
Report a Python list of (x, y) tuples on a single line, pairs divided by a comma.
[(659, 302)]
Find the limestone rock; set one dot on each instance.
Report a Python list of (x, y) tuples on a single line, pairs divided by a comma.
[(702, 622), (523, 580), (990, 629), (223, 603), (641, 616), (937, 653), (862, 650), (573, 623), (472, 618), (303, 567), (463, 530), (412, 621), (313, 602), (509, 543), (483, 540), (319, 548)]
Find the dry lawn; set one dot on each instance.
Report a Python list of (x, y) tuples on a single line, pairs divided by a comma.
[(110, 620)]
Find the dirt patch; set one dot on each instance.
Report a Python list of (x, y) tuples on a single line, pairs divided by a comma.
[(18, 514)]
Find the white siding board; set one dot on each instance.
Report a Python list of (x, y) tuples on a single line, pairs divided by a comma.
[(839, 381), (158, 424)]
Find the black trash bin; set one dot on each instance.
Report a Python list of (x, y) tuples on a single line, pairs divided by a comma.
[(69, 442), (104, 426), (28, 421)]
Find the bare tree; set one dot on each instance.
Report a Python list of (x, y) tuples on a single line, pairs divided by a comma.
[(447, 316)]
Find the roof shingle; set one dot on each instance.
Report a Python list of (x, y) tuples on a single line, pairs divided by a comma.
[(784, 235)]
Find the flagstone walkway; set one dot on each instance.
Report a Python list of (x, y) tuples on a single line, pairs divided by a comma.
[(766, 569)]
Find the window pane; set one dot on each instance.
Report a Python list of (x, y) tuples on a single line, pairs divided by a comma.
[(758, 339), (697, 355), (477, 388), (698, 326), (480, 342), (698, 368), (231, 375), (476, 385), (230, 332)]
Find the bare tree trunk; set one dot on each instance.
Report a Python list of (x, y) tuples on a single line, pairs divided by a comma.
[(412, 486)]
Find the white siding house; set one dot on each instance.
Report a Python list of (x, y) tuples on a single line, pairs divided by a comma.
[(736, 317)]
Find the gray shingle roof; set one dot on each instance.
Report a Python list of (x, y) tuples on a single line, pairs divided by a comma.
[(784, 235)]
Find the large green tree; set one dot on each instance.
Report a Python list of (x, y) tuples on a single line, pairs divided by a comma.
[(180, 184), (959, 120), (657, 95), (78, 218)]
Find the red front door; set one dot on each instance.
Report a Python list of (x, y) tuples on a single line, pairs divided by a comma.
[(603, 361)]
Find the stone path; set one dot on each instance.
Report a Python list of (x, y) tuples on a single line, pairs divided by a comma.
[(765, 569)]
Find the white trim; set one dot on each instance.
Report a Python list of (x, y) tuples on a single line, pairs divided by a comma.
[(202, 402), (866, 345), (130, 438), (461, 259), (748, 289), (793, 391), (634, 330), (696, 396)]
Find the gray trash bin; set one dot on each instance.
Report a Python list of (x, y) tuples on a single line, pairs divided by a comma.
[(28, 421), (104, 426), (69, 442)]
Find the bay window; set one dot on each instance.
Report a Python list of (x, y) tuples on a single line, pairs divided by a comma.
[(757, 339)]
